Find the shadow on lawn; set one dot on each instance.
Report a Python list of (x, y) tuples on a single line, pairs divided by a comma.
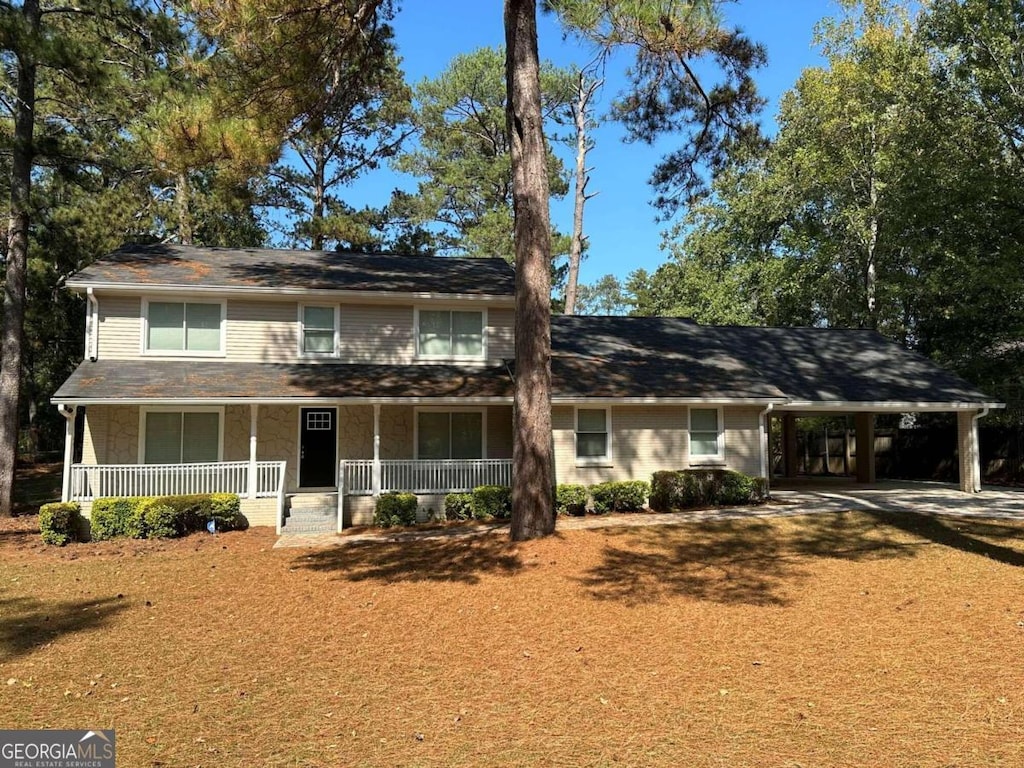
[(959, 533), (751, 562), (27, 623), (429, 560)]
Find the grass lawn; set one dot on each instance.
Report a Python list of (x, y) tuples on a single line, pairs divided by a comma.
[(833, 640)]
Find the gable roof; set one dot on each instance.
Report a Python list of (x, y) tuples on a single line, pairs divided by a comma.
[(276, 269), (806, 365)]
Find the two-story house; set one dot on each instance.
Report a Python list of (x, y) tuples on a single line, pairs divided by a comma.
[(283, 375)]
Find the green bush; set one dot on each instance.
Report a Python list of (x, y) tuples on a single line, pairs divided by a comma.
[(492, 501), (704, 488), (152, 517), (60, 523), (570, 499), (394, 509), (620, 496), (112, 518), (193, 512), (159, 521), (458, 506)]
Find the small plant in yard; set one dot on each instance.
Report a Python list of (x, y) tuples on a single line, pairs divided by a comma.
[(620, 496), (570, 499), (492, 501), (60, 523), (458, 506), (395, 509)]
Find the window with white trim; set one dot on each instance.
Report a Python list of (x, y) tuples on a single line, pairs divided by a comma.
[(449, 435), (184, 327), (593, 435), (450, 333), (706, 433), (180, 437), (319, 330)]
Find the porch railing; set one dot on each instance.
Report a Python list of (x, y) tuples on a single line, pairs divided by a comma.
[(92, 481), (423, 475)]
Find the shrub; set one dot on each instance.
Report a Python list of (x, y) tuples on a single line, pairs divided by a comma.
[(704, 487), (395, 509), (159, 521), (620, 496), (492, 501), (113, 518), (193, 512), (570, 499), (60, 523), (458, 506)]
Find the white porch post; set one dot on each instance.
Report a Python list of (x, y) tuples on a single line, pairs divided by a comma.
[(69, 451), (254, 411), (969, 449), (376, 450)]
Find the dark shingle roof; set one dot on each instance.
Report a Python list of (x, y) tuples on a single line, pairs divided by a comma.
[(278, 268), (161, 379), (806, 364)]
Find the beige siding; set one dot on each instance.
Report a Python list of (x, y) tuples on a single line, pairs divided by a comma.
[(120, 327), (500, 334), (377, 334), (262, 331), (742, 440)]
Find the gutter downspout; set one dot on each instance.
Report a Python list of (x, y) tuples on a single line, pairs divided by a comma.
[(762, 426), (93, 340), (976, 447)]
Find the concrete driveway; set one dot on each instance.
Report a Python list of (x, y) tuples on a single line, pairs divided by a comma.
[(901, 496)]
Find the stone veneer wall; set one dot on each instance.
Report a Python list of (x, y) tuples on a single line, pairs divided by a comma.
[(236, 433), (355, 432), (111, 434), (277, 439), (396, 432)]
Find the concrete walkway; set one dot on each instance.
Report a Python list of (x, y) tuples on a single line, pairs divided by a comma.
[(917, 497)]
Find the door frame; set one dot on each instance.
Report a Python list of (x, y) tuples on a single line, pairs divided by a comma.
[(298, 444)]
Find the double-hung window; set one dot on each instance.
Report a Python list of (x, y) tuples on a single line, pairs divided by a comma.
[(449, 434), (593, 436), (706, 434), (180, 327), (181, 437), (319, 331), (450, 333)]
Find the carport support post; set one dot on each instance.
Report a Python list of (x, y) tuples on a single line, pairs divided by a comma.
[(864, 425), (789, 458), (969, 450)]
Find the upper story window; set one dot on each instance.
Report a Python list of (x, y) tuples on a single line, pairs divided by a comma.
[(444, 333), (179, 327), (707, 436), (319, 336), (593, 435)]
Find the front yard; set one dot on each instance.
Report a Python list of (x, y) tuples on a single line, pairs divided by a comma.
[(848, 639)]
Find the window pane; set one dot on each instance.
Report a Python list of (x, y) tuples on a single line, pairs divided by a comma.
[(703, 443), (318, 342), (435, 333), (468, 346), (468, 323), (163, 438), (321, 318), (589, 446), (704, 420), (592, 420), (433, 436), (166, 326), (202, 323), (201, 437), (467, 436)]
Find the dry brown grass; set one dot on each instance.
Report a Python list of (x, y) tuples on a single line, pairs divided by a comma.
[(838, 640)]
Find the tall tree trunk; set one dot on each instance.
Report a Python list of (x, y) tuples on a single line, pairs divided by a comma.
[(533, 481), (22, 157), (319, 196), (871, 247), (585, 90), (183, 203)]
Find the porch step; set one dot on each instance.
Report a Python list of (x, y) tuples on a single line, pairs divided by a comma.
[(306, 528), (304, 519), (312, 513), (313, 500)]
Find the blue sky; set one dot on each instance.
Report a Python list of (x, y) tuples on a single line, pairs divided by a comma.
[(620, 221)]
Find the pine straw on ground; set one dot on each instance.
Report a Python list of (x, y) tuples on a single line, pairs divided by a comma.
[(831, 640)]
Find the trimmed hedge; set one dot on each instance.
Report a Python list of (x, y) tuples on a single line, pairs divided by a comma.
[(620, 496), (492, 501), (705, 488), (570, 499), (60, 522), (395, 509), (164, 517), (458, 506)]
